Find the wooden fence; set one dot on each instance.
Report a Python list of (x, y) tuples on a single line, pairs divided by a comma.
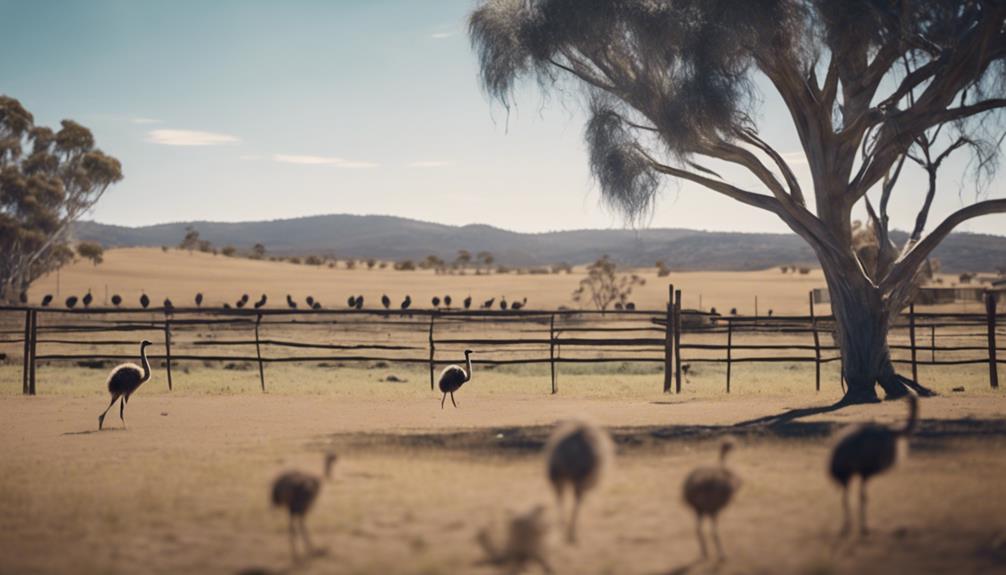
[(678, 339)]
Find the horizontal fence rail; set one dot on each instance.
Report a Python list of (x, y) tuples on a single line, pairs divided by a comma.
[(674, 337)]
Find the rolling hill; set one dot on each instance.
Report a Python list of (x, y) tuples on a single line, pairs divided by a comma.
[(395, 238)]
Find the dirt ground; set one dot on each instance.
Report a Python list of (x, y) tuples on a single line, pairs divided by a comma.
[(185, 487)]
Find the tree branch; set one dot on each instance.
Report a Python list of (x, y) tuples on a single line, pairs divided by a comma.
[(905, 268)]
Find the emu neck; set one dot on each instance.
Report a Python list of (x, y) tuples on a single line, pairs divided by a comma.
[(468, 363), (145, 363), (913, 416)]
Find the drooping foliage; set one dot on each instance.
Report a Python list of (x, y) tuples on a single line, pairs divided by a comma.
[(48, 180)]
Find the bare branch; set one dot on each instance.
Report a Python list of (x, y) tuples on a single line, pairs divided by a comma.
[(905, 268)]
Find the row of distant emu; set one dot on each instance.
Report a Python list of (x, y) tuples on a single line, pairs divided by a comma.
[(576, 454), (353, 302)]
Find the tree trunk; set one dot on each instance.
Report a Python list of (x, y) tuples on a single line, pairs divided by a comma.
[(863, 322)]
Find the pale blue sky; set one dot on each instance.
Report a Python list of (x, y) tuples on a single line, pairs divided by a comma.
[(307, 107)]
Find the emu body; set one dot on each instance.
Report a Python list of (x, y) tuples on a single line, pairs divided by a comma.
[(453, 377), (124, 380), (296, 491), (708, 490), (866, 450), (577, 454)]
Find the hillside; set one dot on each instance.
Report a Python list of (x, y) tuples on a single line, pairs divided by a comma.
[(394, 238)]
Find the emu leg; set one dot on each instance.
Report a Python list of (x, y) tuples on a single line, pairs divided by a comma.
[(571, 536), (452, 399), (702, 538), (863, 530), (122, 411), (101, 418), (307, 540), (716, 538), (443, 400), (846, 520), (293, 537)]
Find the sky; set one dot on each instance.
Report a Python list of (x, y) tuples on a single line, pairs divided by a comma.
[(235, 110)]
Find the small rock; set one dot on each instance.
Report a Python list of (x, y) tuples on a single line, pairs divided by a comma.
[(164, 413), (958, 389)]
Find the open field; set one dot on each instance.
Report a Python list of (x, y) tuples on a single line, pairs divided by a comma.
[(184, 489), (179, 275)]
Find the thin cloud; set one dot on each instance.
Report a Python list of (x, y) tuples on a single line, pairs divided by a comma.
[(442, 35), (249, 157), (429, 164), (143, 121), (307, 160), (190, 138)]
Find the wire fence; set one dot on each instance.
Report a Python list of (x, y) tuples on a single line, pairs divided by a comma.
[(675, 338)]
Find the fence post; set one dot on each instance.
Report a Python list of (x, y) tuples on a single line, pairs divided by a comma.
[(31, 352), (551, 352), (27, 351), (258, 353), (669, 340), (817, 345), (677, 341), (730, 341), (990, 317), (911, 339), (432, 351), (167, 346)]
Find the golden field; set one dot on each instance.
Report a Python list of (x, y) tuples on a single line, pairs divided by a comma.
[(185, 488)]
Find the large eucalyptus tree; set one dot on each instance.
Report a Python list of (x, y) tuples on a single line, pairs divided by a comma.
[(671, 87)]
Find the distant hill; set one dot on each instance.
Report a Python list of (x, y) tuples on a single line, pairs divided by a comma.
[(394, 238)]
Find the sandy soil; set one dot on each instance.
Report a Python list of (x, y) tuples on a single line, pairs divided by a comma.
[(184, 488)]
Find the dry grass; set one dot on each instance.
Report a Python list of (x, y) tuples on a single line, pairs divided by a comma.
[(184, 489)]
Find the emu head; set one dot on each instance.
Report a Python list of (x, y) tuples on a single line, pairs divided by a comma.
[(145, 343), (468, 352), (330, 459)]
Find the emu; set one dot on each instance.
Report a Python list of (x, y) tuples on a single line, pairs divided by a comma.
[(168, 306), (199, 299), (577, 454), (447, 301), (503, 304), (631, 306), (453, 377), (518, 304), (71, 301), (435, 301), (406, 302), (290, 303), (47, 300), (144, 301), (708, 490), (87, 299), (261, 301), (618, 306), (316, 306), (310, 301), (123, 381), (525, 543), (488, 304), (866, 450), (297, 491), (23, 297), (385, 301), (351, 302), (468, 302), (359, 302), (116, 300)]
